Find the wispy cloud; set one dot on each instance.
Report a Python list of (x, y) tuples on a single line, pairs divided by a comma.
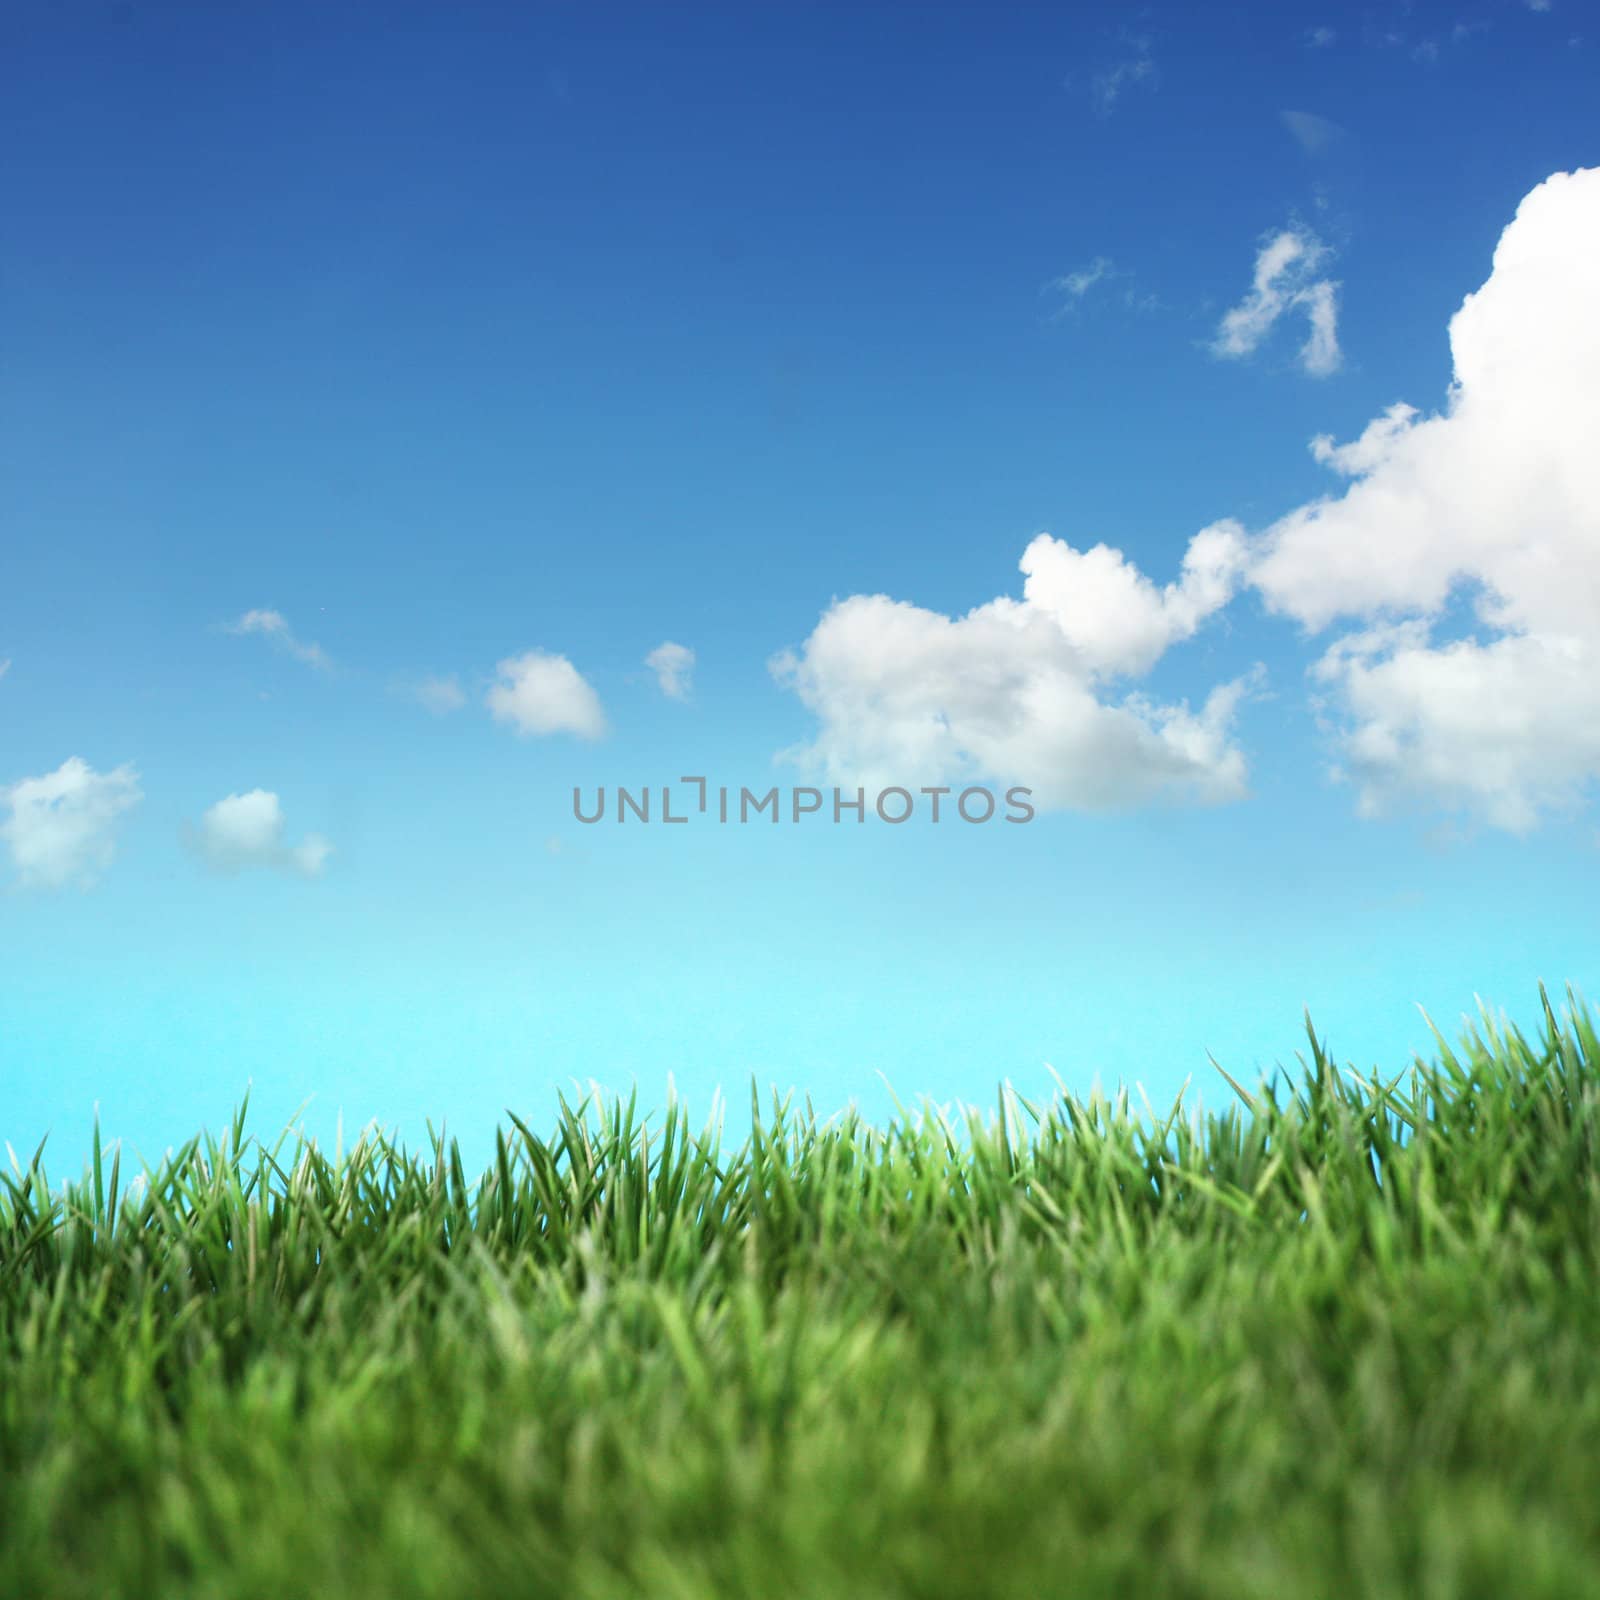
[(1134, 66), (673, 665), (246, 830), (1098, 277), (1286, 281), (440, 695), (1312, 133), (5, 666), (1428, 49), (1320, 38), (1075, 285), (274, 626), (61, 826)]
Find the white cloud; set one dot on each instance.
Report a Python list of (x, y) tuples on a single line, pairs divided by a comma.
[(61, 826), (1285, 280), (1537, 5), (1495, 501), (440, 695), (1020, 691), (673, 665), (5, 666), (1320, 38), (541, 693), (274, 626), (1489, 509), (1312, 133), (246, 830)]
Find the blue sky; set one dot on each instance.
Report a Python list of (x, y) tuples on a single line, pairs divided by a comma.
[(378, 397)]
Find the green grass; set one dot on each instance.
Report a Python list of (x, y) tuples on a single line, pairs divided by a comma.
[(1342, 1340)]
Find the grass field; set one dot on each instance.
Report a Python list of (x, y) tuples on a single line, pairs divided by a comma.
[(1341, 1340)]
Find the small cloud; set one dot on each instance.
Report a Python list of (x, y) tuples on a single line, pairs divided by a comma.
[(1319, 38), (1285, 281), (673, 665), (5, 666), (1312, 133), (540, 693), (440, 695), (1427, 52), (1075, 285), (1134, 67), (61, 825), (246, 830), (274, 626), (553, 845), (1537, 5)]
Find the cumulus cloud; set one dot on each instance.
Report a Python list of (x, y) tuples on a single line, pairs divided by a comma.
[(1025, 691), (673, 665), (1461, 554), (246, 830), (440, 695), (274, 626), (1492, 503), (60, 828), (541, 693), (1286, 280)]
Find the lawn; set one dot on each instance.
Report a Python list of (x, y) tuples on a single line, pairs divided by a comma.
[(1342, 1339)]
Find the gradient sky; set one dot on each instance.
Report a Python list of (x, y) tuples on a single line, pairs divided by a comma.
[(381, 387)]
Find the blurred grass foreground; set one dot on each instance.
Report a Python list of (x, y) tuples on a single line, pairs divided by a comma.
[(1341, 1340)]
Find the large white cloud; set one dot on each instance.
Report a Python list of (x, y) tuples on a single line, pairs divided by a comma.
[(61, 827), (1493, 503), (246, 830), (540, 693), (1022, 690), (1495, 500)]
